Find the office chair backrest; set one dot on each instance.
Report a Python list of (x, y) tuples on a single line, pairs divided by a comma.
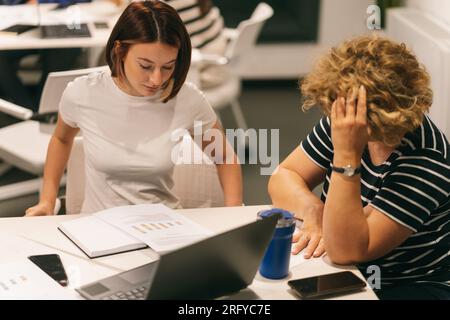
[(248, 31), (75, 178), (56, 83), (196, 185)]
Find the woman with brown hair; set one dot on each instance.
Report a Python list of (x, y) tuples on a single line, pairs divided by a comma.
[(128, 115), (206, 29), (385, 169)]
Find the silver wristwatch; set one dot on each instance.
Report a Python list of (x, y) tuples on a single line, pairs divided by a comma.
[(347, 171)]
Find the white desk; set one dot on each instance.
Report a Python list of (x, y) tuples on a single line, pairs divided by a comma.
[(101, 11), (82, 270)]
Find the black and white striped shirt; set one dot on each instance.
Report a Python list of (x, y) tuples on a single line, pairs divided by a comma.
[(412, 187), (204, 29)]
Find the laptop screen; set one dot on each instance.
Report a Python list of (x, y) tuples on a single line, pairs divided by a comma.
[(211, 268), (214, 267)]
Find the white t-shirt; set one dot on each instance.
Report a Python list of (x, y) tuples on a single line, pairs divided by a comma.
[(128, 140)]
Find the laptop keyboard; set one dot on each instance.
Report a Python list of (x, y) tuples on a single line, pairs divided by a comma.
[(134, 294), (61, 31)]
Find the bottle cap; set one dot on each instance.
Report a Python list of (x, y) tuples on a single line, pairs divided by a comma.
[(285, 219)]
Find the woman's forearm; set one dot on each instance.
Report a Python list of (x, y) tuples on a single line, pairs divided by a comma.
[(228, 168), (345, 228), (230, 176), (57, 157), (289, 191)]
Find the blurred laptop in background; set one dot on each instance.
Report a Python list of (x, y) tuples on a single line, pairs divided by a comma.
[(13, 87)]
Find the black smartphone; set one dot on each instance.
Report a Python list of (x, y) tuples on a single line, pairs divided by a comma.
[(326, 284), (52, 265)]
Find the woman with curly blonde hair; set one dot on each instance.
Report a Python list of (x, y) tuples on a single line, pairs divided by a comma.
[(385, 169)]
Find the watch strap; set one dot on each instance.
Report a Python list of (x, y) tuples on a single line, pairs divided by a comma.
[(346, 169)]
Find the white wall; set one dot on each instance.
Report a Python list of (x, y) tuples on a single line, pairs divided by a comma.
[(438, 8), (429, 38), (339, 19)]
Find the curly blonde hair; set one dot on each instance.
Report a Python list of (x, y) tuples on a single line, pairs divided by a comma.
[(398, 87)]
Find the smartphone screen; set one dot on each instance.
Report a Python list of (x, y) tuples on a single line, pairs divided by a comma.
[(51, 264), (326, 284)]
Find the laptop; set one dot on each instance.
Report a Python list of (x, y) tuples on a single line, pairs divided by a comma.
[(208, 269), (71, 29), (62, 31)]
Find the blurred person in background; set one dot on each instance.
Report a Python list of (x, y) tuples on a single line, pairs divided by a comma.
[(205, 25), (11, 86)]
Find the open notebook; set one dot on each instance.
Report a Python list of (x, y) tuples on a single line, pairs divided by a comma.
[(133, 227)]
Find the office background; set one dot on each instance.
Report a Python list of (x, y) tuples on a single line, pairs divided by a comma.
[(298, 33)]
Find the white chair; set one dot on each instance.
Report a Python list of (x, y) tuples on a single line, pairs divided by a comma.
[(196, 185), (242, 41), (24, 144), (75, 178)]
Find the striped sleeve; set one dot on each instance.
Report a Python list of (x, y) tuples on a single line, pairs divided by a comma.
[(318, 146), (418, 184), (203, 28)]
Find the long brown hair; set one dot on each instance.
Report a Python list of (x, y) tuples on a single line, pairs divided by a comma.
[(148, 22)]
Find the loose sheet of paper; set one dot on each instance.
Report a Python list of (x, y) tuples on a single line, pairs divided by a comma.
[(23, 280), (16, 247)]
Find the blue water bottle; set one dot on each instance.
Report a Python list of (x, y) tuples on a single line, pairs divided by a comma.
[(275, 264)]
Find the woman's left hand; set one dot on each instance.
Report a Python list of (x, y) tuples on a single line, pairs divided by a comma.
[(349, 127), (309, 237)]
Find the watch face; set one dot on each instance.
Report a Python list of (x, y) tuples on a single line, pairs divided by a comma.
[(349, 171)]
